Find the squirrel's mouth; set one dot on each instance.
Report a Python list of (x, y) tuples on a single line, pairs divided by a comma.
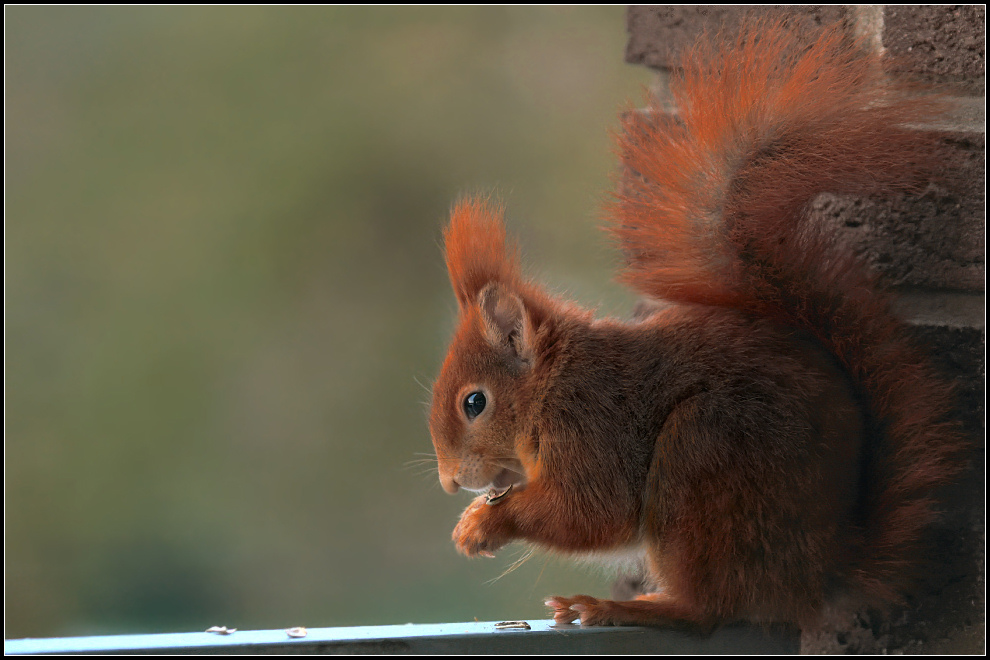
[(505, 481), (510, 477)]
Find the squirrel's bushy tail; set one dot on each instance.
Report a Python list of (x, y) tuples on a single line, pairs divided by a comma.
[(715, 211)]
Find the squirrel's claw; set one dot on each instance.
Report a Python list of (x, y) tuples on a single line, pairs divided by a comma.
[(585, 608)]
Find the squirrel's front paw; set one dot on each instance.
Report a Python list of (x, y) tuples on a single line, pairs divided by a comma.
[(475, 533)]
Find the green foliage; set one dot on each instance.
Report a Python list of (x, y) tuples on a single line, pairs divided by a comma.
[(223, 281)]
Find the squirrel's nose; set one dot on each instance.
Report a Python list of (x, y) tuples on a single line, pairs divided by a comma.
[(449, 484)]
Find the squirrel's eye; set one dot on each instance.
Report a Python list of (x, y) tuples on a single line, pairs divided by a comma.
[(474, 403)]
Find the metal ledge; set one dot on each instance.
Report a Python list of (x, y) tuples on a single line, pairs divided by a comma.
[(444, 638)]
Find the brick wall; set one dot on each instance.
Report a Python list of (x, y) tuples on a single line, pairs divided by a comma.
[(931, 249)]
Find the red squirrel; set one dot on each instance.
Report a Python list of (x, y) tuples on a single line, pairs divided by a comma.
[(768, 438)]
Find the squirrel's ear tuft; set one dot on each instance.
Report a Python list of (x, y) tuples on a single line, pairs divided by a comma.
[(506, 323), (476, 249)]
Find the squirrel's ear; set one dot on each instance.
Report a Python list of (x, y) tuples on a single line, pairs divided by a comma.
[(477, 250), (507, 324)]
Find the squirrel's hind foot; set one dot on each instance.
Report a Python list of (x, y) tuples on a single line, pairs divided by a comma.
[(655, 609)]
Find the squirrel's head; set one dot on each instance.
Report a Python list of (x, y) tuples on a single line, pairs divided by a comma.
[(479, 401)]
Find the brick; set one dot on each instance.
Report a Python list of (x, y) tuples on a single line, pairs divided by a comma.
[(938, 309), (934, 240), (657, 34), (938, 41), (957, 353), (966, 114)]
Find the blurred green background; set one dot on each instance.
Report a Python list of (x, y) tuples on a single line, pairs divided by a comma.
[(225, 300)]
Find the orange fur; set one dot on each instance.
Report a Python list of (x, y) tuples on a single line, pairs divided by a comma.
[(770, 439)]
